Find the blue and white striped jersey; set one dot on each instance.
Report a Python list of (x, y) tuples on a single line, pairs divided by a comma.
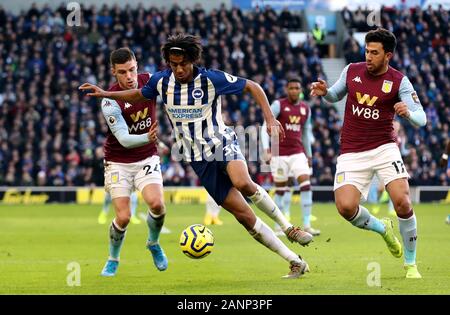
[(194, 109)]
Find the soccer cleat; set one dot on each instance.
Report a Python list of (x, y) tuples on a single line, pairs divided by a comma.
[(312, 231), (392, 242), (295, 234), (217, 221), (297, 269), (102, 217), (159, 258), (135, 220), (412, 272), (208, 220), (110, 268)]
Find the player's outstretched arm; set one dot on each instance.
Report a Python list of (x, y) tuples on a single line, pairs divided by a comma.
[(273, 126), (130, 96), (118, 126), (265, 138), (334, 93)]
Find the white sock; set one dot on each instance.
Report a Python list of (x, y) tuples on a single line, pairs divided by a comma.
[(212, 207), (262, 200), (263, 234)]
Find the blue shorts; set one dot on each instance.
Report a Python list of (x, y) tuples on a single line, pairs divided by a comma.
[(213, 174)]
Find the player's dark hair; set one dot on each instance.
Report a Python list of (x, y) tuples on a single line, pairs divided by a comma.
[(121, 55), (294, 80), (383, 36), (188, 46)]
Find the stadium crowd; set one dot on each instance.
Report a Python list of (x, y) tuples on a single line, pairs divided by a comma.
[(51, 134)]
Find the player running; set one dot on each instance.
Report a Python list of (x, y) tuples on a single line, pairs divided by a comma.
[(191, 96), (131, 160), (294, 152), (375, 93)]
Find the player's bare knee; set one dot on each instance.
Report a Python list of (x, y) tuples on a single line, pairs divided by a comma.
[(246, 186), (157, 206), (123, 218), (244, 219), (402, 205), (346, 208)]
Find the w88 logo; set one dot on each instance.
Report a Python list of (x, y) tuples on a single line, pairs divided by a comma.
[(142, 125), (366, 112)]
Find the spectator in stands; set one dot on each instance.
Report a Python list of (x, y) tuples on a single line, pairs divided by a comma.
[(318, 34)]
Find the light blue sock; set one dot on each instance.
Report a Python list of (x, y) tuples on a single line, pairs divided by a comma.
[(133, 203), (372, 197), (306, 205), (408, 231), (155, 224), (391, 205), (116, 238), (364, 220), (287, 202), (279, 202), (107, 203)]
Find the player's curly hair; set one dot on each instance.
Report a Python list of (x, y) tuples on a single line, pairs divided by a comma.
[(185, 45), (383, 36)]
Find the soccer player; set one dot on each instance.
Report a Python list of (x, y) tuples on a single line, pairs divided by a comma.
[(191, 96), (212, 212), (131, 160), (103, 216), (375, 93), (293, 153)]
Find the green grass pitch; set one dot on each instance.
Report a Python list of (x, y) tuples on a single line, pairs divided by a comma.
[(38, 242)]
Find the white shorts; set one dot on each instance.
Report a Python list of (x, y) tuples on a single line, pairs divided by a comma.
[(289, 165), (121, 179), (358, 169)]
